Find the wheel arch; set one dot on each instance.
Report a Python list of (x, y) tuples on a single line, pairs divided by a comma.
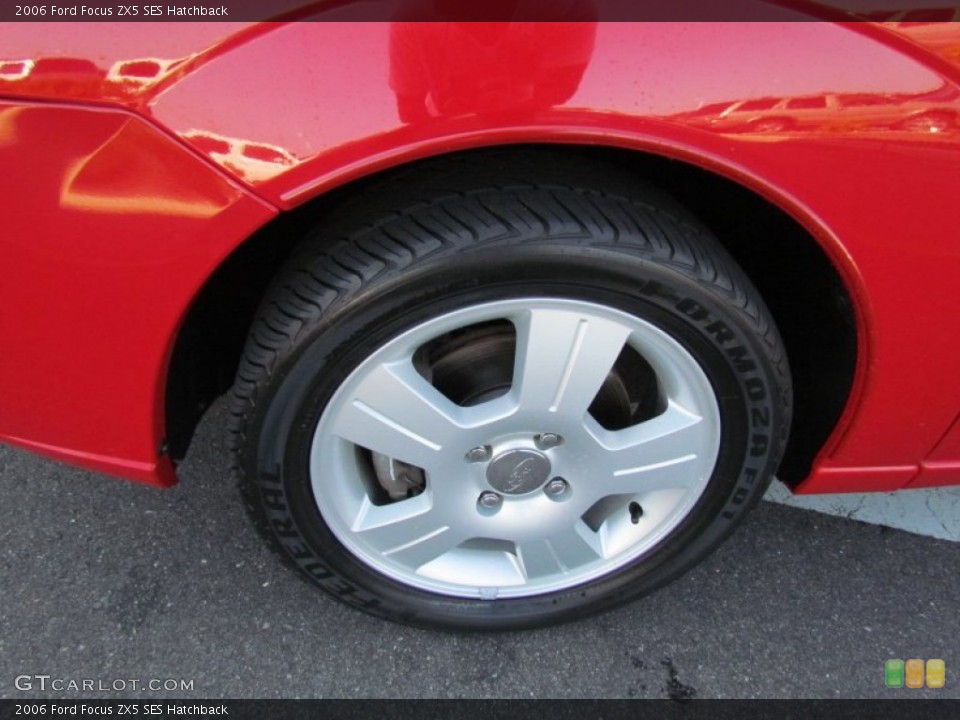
[(826, 297)]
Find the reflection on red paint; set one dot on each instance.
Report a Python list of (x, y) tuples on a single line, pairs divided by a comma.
[(123, 63), (453, 68), (251, 161), (139, 69), (112, 179), (13, 70), (934, 113)]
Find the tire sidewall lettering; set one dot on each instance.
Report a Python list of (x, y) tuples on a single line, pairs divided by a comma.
[(744, 362)]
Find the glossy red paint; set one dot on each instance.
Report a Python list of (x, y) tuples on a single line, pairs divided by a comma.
[(110, 229), (940, 466), (852, 129)]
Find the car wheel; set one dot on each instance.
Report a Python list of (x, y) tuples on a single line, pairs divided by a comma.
[(510, 404)]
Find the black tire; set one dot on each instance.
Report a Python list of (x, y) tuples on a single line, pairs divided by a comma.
[(551, 230)]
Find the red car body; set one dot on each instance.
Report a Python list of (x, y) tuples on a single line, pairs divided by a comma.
[(136, 162)]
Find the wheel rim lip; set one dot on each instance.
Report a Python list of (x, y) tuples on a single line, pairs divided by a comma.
[(665, 353)]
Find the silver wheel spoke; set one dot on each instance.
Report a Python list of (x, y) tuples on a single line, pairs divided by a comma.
[(412, 532), (659, 454), (396, 412), (561, 553), (576, 547), (563, 357), (538, 559)]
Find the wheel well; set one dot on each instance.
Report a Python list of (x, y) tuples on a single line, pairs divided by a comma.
[(800, 285)]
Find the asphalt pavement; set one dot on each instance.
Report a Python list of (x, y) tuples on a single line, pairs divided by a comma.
[(107, 581)]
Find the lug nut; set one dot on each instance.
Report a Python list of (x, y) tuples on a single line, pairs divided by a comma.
[(479, 454), (545, 441), (557, 486), (489, 500)]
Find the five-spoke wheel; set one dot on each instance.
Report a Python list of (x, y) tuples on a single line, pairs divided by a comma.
[(524, 491)]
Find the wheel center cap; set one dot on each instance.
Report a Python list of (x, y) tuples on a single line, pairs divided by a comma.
[(515, 472)]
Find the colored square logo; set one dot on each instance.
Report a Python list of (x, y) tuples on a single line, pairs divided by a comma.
[(936, 673), (894, 673)]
